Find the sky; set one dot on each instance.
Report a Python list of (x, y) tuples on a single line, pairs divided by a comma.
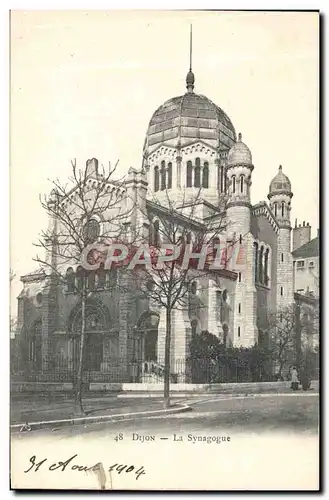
[(85, 84)]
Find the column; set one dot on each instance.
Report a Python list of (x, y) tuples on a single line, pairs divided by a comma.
[(161, 336), (126, 319), (218, 179), (181, 337), (214, 325), (70, 365)]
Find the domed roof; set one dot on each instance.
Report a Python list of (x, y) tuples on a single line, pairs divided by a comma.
[(239, 153), (280, 183), (188, 117)]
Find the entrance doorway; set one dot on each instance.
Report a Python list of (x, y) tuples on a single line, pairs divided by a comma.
[(151, 345), (148, 326)]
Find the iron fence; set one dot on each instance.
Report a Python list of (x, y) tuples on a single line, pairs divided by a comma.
[(185, 370)]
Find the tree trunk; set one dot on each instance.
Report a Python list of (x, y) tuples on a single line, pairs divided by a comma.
[(166, 395), (78, 396), (298, 336)]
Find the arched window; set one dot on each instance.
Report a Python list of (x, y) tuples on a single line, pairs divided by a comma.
[(70, 280), (35, 346), (282, 209), (241, 183), (197, 177), (256, 260), (79, 276), (91, 231), (169, 183), (101, 275), (91, 280), (189, 174), (96, 319), (233, 183), (260, 266), (156, 235), (194, 327), (225, 335), (205, 175), (156, 178), (111, 278), (275, 209), (163, 176), (222, 179), (266, 277)]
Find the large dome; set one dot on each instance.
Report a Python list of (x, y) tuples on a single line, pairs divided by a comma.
[(189, 117)]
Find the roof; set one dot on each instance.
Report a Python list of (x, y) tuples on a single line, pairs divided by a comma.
[(280, 183), (156, 207), (36, 275), (239, 153), (310, 249), (306, 299), (188, 117)]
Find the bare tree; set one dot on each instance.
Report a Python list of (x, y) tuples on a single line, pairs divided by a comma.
[(92, 210), (282, 335), (181, 229)]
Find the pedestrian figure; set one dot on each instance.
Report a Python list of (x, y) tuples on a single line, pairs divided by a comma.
[(305, 381), (294, 379)]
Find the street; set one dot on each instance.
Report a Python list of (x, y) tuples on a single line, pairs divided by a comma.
[(254, 414)]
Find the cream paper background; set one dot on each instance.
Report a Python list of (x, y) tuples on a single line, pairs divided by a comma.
[(252, 462), (85, 84)]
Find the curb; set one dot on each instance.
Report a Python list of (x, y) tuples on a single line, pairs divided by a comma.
[(193, 395), (97, 419), (159, 395), (228, 397)]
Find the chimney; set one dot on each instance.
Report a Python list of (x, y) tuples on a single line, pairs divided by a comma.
[(295, 222), (307, 223), (92, 167), (303, 223)]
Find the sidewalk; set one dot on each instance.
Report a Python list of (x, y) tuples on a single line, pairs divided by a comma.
[(38, 410)]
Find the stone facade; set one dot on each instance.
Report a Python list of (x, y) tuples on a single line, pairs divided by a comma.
[(190, 148)]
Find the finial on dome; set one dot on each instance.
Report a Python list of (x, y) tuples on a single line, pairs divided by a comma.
[(190, 75), (280, 167), (240, 137)]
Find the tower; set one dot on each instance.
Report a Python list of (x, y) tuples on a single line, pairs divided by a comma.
[(238, 171), (238, 212), (279, 196)]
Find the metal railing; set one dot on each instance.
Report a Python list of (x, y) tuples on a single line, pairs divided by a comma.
[(198, 371)]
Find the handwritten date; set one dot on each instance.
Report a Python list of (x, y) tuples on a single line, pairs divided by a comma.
[(70, 465)]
